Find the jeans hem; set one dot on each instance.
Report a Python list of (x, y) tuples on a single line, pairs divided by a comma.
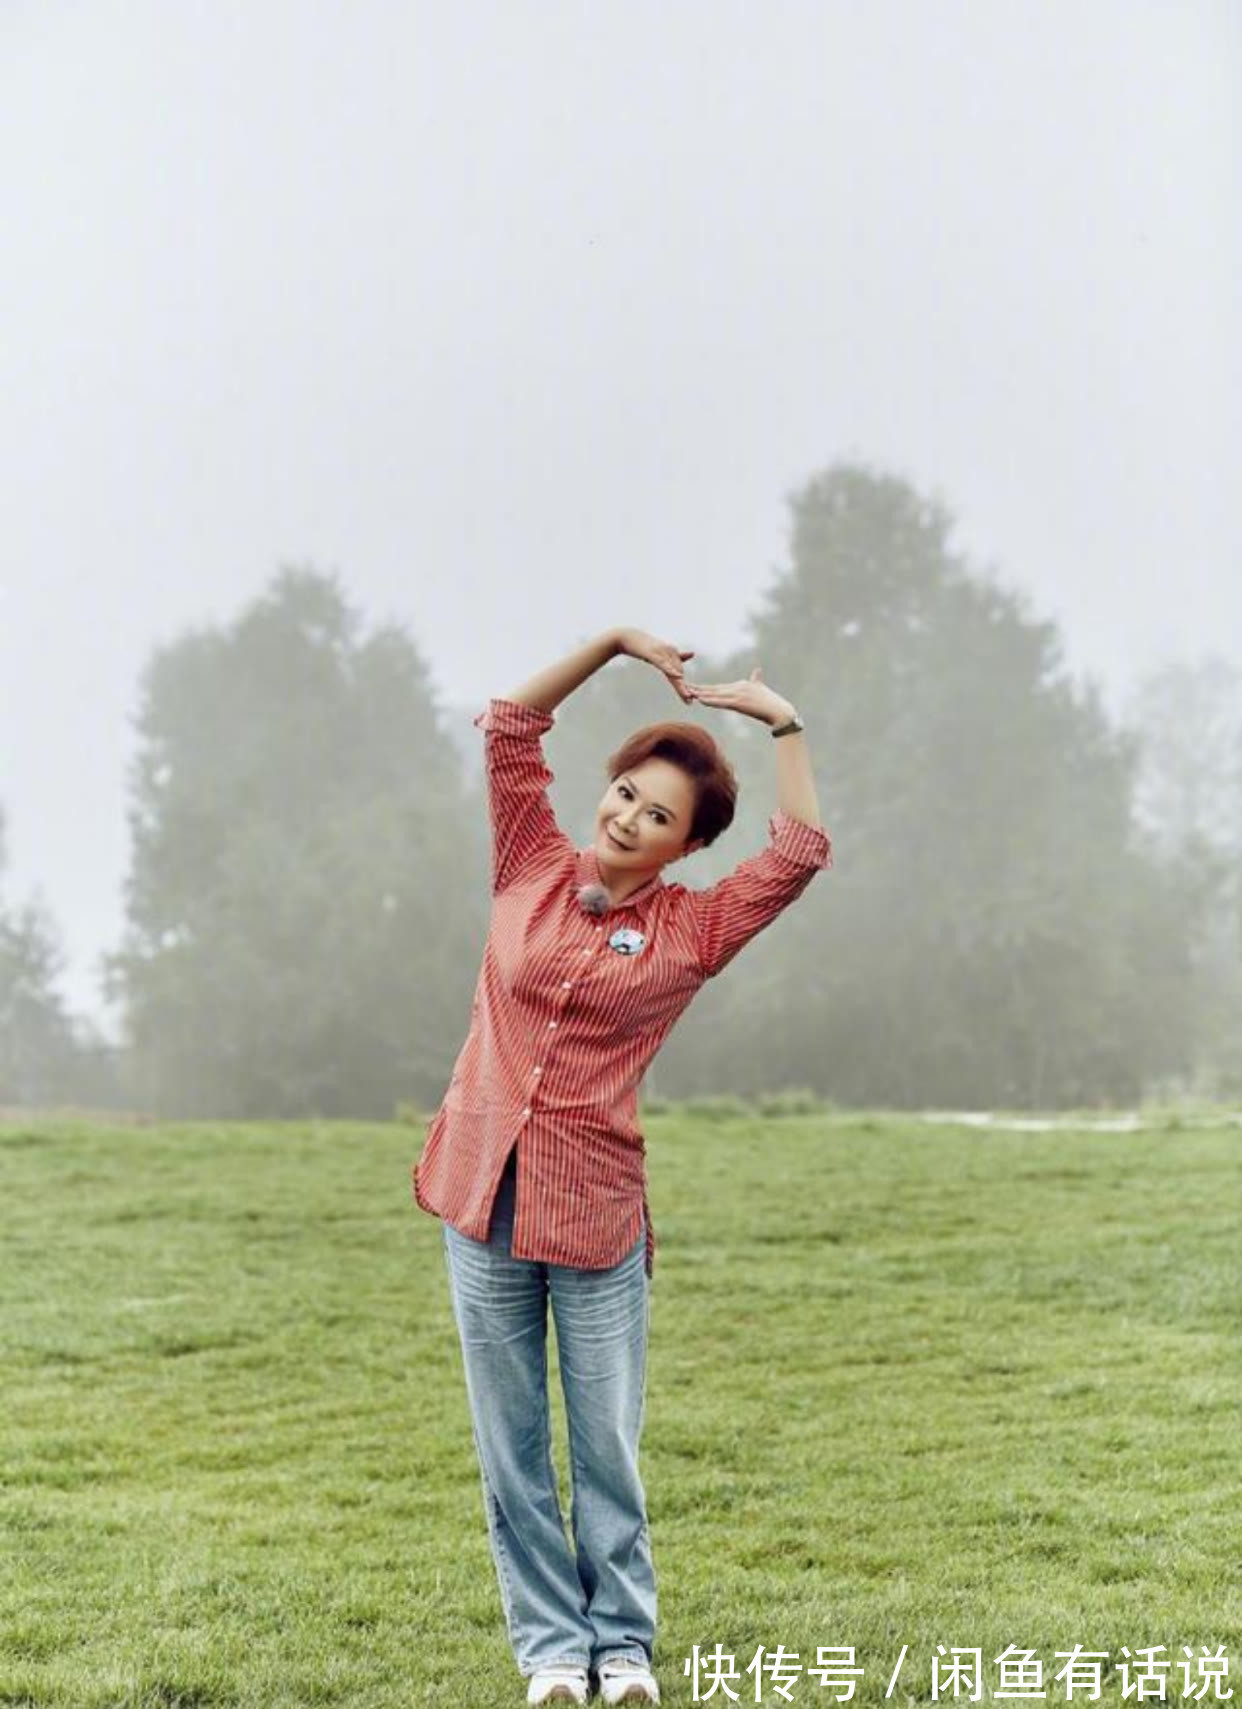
[(561, 1661)]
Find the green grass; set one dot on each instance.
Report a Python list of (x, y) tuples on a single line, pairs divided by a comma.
[(908, 1384)]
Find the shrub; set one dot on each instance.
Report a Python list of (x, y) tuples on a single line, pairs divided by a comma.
[(793, 1101), (722, 1106)]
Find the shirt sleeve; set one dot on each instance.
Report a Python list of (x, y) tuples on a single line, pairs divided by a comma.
[(523, 823), (732, 911)]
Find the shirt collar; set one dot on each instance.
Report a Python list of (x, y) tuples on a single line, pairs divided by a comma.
[(588, 873)]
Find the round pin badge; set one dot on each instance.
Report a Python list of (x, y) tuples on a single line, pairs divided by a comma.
[(626, 941)]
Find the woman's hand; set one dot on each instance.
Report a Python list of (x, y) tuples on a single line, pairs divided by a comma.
[(637, 644), (752, 697)]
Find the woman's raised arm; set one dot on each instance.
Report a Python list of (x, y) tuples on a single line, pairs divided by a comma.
[(795, 781), (549, 687)]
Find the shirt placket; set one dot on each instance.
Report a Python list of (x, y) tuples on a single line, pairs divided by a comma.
[(588, 953)]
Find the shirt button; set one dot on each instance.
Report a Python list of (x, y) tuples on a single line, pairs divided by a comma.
[(565, 984), (539, 1070), (551, 1023)]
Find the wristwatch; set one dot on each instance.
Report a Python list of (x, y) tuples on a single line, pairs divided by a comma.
[(795, 723)]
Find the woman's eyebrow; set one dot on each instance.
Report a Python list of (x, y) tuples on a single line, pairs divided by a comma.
[(637, 791)]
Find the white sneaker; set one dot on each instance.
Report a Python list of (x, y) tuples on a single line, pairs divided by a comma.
[(559, 1680), (622, 1680)]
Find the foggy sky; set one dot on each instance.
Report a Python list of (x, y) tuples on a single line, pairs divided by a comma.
[(526, 318)]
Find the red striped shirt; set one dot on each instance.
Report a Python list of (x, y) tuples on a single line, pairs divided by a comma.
[(565, 1024)]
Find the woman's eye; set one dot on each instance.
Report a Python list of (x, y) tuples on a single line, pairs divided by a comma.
[(656, 814)]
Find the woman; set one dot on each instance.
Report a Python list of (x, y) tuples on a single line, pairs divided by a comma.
[(534, 1161)]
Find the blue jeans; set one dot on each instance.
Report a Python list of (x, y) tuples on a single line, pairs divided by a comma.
[(600, 1600)]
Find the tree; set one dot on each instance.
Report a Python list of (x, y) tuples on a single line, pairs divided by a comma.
[(38, 1046), (1187, 721), (302, 935), (990, 928), (1188, 718)]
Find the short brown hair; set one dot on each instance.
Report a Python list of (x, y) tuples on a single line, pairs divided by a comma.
[(696, 751)]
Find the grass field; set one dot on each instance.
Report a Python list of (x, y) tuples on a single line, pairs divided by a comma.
[(908, 1385)]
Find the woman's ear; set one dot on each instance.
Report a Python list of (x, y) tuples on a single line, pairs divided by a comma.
[(691, 847)]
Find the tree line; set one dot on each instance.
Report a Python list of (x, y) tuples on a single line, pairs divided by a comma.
[(1031, 906)]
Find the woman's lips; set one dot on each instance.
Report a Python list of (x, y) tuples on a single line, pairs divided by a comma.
[(626, 846)]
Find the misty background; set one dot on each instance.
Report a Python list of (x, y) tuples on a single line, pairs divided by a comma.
[(356, 361)]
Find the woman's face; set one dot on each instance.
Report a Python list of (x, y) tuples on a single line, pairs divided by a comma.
[(643, 822)]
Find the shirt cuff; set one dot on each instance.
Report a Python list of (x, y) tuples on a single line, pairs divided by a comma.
[(511, 718), (805, 845)]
